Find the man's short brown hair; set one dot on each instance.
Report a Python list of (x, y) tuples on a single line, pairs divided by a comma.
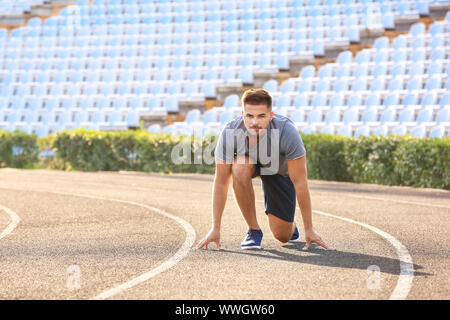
[(257, 96)]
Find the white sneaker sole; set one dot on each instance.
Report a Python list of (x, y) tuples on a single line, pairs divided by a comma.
[(251, 247)]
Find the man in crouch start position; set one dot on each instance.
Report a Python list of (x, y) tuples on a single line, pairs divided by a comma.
[(261, 143)]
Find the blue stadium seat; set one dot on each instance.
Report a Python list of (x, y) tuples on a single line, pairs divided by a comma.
[(301, 100), (396, 84), (305, 85), (332, 116), (192, 116), (132, 118), (171, 104), (406, 115), (307, 72), (437, 132), (283, 101), (153, 102), (445, 100), (345, 130), (350, 115), (344, 57), (323, 86), (429, 99), (433, 83), (380, 130), (414, 84), (425, 115), (119, 103), (298, 116), (319, 100), (417, 70), (378, 84), (410, 99), (362, 131), (443, 115), (210, 116), (138, 102), (354, 99), (226, 116), (399, 130), (391, 99), (328, 129), (369, 115), (435, 68), (417, 29), (418, 132), (271, 86), (381, 43), (359, 85)]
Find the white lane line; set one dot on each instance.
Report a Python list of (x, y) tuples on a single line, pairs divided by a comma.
[(401, 201), (400, 292), (406, 275), (167, 264), (15, 219)]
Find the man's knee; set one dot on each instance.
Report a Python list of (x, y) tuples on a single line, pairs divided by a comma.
[(282, 236), (241, 171), (281, 230)]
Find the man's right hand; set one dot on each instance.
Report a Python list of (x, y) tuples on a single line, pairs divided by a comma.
[(212, 236)]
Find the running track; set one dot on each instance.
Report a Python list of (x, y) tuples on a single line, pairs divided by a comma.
[(129, 235)]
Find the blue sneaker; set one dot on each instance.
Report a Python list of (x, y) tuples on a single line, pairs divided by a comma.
[(252, 240), (295, 236)]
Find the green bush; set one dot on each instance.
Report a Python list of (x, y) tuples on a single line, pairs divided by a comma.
[(370, 159), (93, 150), (325, 157), (390, 160), (423, 162), (18, 150)]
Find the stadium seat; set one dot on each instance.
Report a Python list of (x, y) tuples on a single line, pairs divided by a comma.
[(362, 131), (437, 132), (418, 132), (380, 130), (399, 130), (345, 130), (443, 115)]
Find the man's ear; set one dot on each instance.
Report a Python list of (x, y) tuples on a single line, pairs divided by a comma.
[(271, 115)]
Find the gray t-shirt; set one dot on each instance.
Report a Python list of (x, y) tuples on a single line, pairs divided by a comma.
[(281, 142)]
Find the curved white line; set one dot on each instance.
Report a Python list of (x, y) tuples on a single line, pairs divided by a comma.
[(180, 254), (406, 275), (15, 219), (167, 264), (400, 292)]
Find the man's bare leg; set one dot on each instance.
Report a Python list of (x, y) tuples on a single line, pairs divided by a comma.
[(282, 230), (244, 194)]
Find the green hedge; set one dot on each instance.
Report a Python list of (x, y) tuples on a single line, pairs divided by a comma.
[(326, 157), (391, 160), (93, 150), (18, 150)]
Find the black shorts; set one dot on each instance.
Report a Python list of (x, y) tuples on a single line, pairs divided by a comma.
[(280, 198)]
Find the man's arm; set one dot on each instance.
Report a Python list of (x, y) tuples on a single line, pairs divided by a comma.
[(299, 177), (220, 192)]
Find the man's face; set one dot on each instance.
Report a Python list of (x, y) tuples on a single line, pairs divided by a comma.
[(256, 117)]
